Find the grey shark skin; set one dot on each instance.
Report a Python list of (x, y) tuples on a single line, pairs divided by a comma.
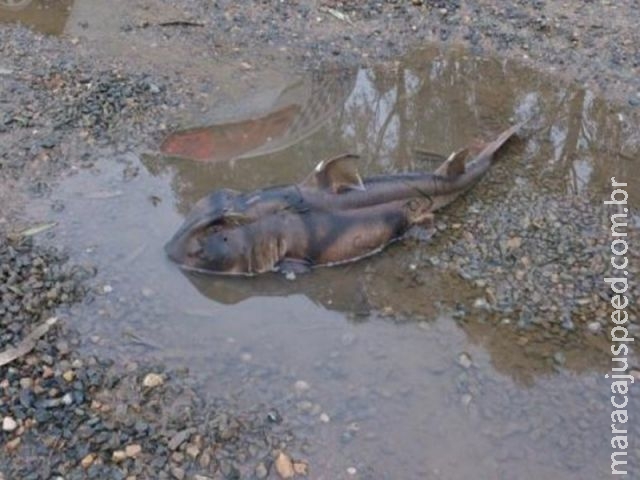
[(333, 187), (296, 242)]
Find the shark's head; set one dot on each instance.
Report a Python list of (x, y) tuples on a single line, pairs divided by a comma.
[(208, 216), (216, 250)]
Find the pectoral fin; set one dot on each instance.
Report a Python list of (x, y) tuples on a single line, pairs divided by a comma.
[(336, 175), (294, 266)]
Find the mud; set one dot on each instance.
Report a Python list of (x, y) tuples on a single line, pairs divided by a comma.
[(478, 353)]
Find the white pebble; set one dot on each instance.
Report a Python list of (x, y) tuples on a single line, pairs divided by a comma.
[(464, 360), (480, 303), (301, 386), (9, 424), (594, 327), (152, 380), (352, 470), (107, 289), (324, 418)]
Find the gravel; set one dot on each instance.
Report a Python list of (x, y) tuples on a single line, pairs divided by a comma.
[(76, 416)]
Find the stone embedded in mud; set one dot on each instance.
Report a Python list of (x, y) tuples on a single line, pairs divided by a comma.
[(464, 360), (301, 468), (301, 386), (284, 466), (152, 380)]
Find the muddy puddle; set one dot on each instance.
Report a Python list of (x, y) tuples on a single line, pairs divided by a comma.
[(45, 16), (389, 366)]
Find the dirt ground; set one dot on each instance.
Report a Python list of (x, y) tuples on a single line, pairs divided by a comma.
[(86, 84)]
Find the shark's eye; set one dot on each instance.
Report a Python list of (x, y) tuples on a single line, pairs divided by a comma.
[(225, 239)]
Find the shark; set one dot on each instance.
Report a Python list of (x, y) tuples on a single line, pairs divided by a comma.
[(333, 216)]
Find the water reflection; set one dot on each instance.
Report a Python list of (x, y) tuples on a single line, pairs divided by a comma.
[(299, 110)]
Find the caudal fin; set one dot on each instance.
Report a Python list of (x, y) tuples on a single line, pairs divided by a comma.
[(492, 147)]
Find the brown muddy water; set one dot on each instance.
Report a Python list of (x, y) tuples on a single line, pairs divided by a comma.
[(377, 373), (46, 16)]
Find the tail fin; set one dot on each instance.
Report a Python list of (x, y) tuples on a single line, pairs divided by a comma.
[(492, 147)]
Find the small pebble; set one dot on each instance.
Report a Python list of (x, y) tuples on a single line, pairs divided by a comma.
[(178, 473), (352, 470), (152, 380), (480, 303), (301, 386), (301, 468), (133, 450), (464, 360), (559, 358), (284, 466), (12, 445), (87, 461), (9, 424), (119, 456), (192, 450), (594, 327)]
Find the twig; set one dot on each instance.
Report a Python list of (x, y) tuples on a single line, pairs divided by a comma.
[(27, 344)]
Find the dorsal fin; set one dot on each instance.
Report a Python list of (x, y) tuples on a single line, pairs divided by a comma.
[(455, 164), (335, 174)]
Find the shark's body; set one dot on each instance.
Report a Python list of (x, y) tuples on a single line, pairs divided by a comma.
[(292, 220), (295, 242)]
